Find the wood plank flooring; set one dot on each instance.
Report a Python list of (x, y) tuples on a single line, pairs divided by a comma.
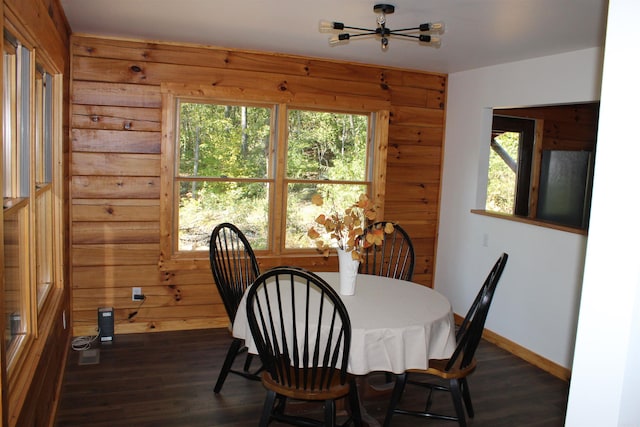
[(166, 380)]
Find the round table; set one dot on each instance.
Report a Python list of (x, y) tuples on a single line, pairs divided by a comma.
[(395, 325)]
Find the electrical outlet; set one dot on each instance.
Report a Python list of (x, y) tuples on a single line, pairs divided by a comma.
[(136, 294)]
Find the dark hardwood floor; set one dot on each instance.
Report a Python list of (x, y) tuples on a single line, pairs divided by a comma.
[(166, 380)]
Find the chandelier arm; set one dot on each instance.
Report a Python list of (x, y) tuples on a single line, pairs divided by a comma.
[(358, 28), (371, 33), (410, 36), (405, 29)]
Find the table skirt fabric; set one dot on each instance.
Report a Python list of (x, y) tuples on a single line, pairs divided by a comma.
[(395, 325)]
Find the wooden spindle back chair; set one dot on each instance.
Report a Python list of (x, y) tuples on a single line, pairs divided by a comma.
[(303, 334), (234, 267), (460, 365), (394, 258)]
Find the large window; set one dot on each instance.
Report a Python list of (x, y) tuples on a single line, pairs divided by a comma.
[(17, 63), (29, 212), (258, 165)]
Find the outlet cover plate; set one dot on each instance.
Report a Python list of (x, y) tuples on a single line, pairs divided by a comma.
[(136, 292)]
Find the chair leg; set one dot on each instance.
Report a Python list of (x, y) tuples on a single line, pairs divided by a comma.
[(466, 395), (398, 389), (281, 403), (235, 346), (267, 408), (456, 396), (354, 404), (247, 362), (330, 413)]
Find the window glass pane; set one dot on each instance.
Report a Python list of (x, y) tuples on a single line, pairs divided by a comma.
[(39, 153), (224, 140), (203, 205), (48, 127), (565, 187), (301, 213), (44, 245), (24, 104), (503, 167), (9, 118), (326, 145), (43, 131), (15, 276)]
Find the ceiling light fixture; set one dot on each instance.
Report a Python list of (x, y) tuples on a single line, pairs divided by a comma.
[(426, 34)]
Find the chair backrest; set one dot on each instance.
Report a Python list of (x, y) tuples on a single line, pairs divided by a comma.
[(233, 264), (470, 330), (300, 327), (394, 258)]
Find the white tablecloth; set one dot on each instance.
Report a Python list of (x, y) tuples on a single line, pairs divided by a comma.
[(395, 325)]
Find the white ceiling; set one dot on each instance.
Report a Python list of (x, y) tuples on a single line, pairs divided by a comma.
[(478, 33)]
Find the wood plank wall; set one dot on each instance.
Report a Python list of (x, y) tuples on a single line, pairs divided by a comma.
[(565, 127), (115, 168), (34, 397)]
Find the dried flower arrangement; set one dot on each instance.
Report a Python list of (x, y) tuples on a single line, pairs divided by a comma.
[(347, 229)]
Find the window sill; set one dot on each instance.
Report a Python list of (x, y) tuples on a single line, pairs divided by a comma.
[(530, 221)]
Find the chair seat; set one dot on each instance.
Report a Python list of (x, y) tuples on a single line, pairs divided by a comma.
[(438, 367), (334, 391)]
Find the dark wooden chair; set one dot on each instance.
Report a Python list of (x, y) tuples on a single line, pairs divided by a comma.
[(303, 334), (234, 267), (459, 366), (394, 258)]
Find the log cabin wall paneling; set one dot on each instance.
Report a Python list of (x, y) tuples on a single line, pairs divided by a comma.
[(565, 127), (32, 402), (115, 168)]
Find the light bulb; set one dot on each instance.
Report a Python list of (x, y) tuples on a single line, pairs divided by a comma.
[(337, 39), (432, 27), (384, 44), (329, 26), (436, 27), (433, 41)]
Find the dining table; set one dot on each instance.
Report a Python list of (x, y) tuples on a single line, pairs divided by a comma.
[(396, 325)]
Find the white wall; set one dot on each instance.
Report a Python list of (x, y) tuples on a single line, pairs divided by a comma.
[(605, 384), (536, 303)]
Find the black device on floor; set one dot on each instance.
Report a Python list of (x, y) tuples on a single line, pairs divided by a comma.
[(105, 324)]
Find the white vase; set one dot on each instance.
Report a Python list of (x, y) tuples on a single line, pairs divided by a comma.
[(348, 271)]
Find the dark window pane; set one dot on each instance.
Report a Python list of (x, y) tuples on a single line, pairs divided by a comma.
[(565, 187)]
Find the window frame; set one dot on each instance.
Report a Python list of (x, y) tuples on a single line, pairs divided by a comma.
[(269, 179), (38, 312), (525, 180), (171, 93), (530, 214)]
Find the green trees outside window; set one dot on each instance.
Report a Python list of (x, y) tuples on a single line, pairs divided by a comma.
[(234, 167), (501, 184)]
